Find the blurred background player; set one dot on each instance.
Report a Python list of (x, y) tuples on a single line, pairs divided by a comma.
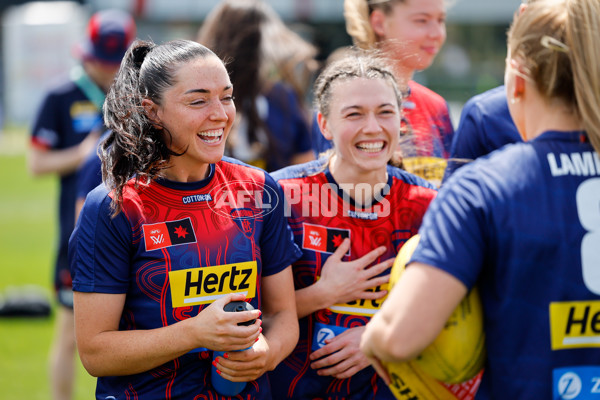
[(350, 213), (485, 125), (89, 175), (409, 33), (522, 224), (64, 132), (270, 67)]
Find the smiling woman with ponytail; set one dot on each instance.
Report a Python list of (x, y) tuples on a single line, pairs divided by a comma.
[(152, 241)]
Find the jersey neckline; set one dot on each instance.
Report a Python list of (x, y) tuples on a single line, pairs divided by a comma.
[(345, 197), (188, 185)]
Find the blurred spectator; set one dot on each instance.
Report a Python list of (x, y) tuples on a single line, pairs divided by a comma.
[(89, 175), (485, 125), (65, 131), (270, 67)]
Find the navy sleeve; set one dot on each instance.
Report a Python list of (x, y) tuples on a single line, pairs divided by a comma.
[(277, 241), (301, 131), (319, 143), (46, 127), (453, 229), (99, 249), (89, 175)]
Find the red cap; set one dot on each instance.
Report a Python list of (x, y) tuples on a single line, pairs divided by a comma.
[(109, 35)]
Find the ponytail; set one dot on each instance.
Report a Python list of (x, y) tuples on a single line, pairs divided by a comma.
[(358, 24), (137, 147), (557, 41), (583, 27)]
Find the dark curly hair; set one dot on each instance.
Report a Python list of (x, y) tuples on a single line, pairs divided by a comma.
[(136, 147)]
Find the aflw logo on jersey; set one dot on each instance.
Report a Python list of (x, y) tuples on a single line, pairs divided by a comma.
[(204, 285), (323, 239), (169, 233)]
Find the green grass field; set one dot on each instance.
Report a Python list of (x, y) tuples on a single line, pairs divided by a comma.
[(27, 238)]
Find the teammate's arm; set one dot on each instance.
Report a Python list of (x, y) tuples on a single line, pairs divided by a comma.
[(413, 315)]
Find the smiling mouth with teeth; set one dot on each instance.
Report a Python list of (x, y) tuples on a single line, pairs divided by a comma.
[(371, 147), (213, 136)]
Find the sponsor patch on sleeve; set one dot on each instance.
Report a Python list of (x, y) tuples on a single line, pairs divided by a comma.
[(575, 324), (204, 285)]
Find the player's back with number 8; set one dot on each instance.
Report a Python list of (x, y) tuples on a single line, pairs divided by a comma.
[(524, 224)]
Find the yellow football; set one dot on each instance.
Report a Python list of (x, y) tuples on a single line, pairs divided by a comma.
[(409, 381), (458, 353)]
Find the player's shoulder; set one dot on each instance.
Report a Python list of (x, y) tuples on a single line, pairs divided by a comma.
[(279, 90), (510, 156), (235, 165), (99, 194), (492, 100), (97, 202), (300, 171), (231, 168), (62, 88), (497, 169)]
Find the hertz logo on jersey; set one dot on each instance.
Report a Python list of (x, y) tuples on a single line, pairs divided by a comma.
[(195, 286), (361, 307), (575, 324)]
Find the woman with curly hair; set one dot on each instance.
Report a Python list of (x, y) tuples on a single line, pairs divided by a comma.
[(176, 232)]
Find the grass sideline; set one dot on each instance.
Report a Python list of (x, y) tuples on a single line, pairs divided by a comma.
[(28, 208)]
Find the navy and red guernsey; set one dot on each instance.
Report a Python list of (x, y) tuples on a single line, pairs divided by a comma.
[(321, 217), (173, 250)]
